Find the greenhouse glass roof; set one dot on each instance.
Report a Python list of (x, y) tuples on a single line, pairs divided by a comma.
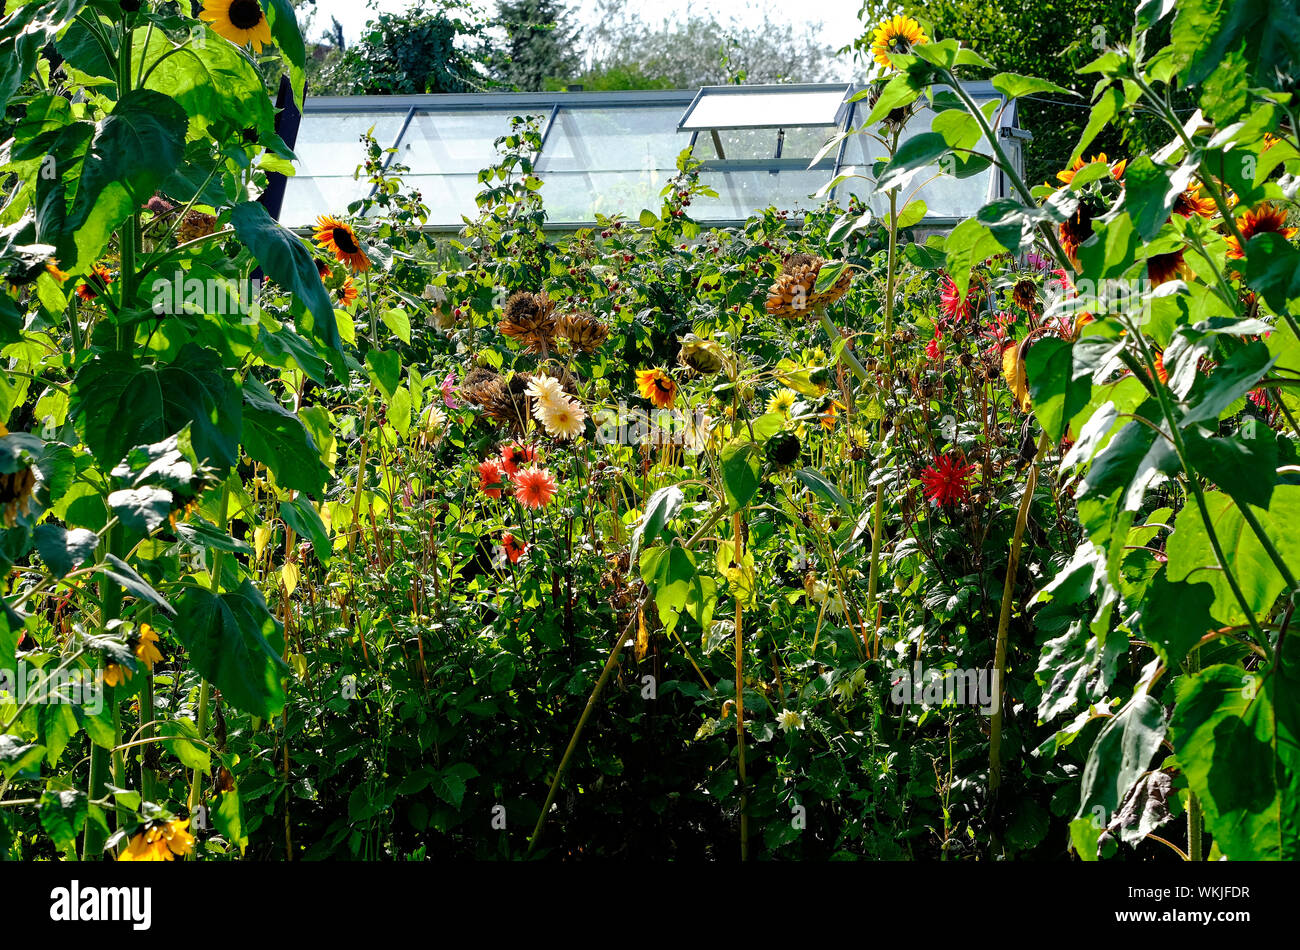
[(612, 152)]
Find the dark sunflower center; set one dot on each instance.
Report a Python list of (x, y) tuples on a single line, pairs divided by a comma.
[(245, 14), (663, 385), (343, 237), (899, 44)]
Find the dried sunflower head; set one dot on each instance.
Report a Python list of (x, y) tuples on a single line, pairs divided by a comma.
[(530, 320), (584, 330), (795, 293), (16, 493)]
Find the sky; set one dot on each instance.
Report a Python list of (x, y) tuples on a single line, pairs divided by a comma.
[(839, 18)]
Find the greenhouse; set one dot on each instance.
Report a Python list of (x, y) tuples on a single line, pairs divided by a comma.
[(606, 153), (593, 432)]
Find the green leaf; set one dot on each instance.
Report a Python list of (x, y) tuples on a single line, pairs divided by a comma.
[(18, 756), (1175, 616), (301, 515), (660, 509), (1058, 394), (1120, 754), (181, 739), (118, 403), (24, 33), (125, 576), (1243, 465), (286, 260), (1192, 558), (276, 437), (741, 471), (918, 153), (1104, 111), (670, 573), (385, 370), (1237, 736), (819, 484), (1231, 380), (141, 510), (399, 323), (969, 243), (284, 30), (64, 550), (63, 814), (1014, 85), (235, 643), (1150, 192), (134, 148)]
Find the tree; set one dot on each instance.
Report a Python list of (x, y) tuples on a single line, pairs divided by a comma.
[(1047, 38), (700, 50), (432, 46), (538, 45)]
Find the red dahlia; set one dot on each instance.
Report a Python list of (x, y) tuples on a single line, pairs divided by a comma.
[(948, 479)]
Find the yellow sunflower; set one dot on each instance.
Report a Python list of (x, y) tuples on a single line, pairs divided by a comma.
[(341, 241), (146, 649), (896, 35), (656, 386), (241, 21)]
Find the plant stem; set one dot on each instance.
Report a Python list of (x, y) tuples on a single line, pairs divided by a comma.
[(1004, 619), (205, 689), (737, 528)]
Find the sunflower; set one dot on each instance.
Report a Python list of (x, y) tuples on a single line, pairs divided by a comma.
[(1267, 218), (1162, 268), (783, 402), (534, 487), (160, 840), (16, 493), (98, 282), (1194, 200), (656, 386), (341, 241), (529, 319), (115, 675), (146, 650), (240, 21), (52, 269), (1116, 170), (347, 292), (896, 35), (1075, 231)]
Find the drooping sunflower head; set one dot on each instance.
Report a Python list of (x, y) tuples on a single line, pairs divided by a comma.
[(1266, 219), (339, 239), (1075, 230), (705, 357), (896, 35), (243, 22)]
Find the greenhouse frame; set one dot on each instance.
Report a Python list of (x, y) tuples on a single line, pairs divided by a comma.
[(609, 153)]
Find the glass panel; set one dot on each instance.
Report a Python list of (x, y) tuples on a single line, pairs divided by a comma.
[(603, 139), (738, 144), (580, 196), (741, 193), (945, 197), (307, 198), (448, 197), (747, 109), (454, 141), (329, 143)]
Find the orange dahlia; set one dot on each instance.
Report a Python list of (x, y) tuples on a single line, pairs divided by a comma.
[(340, 240), (534, 487)]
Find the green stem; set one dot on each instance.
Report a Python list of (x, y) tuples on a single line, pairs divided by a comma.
[(205, 690)]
